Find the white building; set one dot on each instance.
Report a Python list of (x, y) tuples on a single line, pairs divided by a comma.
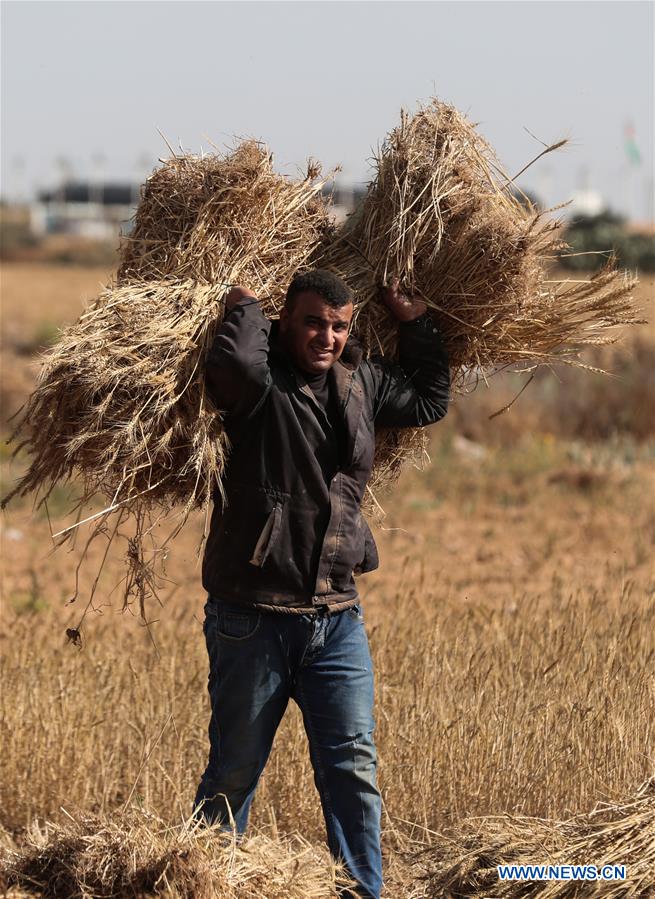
[(87, 209)]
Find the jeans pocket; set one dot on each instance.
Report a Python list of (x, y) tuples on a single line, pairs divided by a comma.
[(237, 624)]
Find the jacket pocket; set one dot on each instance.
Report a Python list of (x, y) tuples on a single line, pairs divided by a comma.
[(268, 536), (369, 555)]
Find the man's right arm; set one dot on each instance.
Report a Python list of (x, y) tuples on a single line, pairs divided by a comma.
[(237, 373)]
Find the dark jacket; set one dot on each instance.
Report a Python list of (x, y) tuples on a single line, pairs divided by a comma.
[(285, 539)]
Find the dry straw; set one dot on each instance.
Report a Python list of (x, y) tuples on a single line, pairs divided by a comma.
[(120, 400), (138, 854), (619, 833), (442, 216), (120, 403)]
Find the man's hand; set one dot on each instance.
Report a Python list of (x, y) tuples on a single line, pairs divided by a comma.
[(405, 308), (235, 294)]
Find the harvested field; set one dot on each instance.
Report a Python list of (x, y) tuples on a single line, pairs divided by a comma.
[(513, 633)]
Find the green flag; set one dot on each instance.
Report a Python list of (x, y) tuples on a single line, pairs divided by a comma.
[(630, 144)]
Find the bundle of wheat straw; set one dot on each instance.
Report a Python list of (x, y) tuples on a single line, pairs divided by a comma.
[(214, 219), (120, 403), (441, 215), (120, 400), (614, 834), (139, 854)]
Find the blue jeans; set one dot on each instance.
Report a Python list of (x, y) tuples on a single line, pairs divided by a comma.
[(257, 661)]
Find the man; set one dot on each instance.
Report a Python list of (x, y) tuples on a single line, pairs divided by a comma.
[(283, 618)]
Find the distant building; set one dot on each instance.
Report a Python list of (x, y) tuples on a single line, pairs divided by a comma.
[(102, 210), (88, 209)]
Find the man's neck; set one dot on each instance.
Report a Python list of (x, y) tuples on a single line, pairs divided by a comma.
[(315, 378)]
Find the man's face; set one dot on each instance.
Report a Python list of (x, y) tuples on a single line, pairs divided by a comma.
[(313, 332)]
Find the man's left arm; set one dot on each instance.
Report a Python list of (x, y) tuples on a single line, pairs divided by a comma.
[(415, 391)]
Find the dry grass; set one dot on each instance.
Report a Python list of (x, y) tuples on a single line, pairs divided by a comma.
[(615, 833), (37, 300), (120, 400), (120, 403), (537, 708), (128, 420), (225, 220), (137, 854)]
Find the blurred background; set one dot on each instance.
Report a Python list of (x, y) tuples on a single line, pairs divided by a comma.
[(94, 94)]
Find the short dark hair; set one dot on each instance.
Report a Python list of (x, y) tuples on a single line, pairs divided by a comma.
[(327, 285)]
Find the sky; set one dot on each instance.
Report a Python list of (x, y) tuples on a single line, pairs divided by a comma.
[(88, 86)]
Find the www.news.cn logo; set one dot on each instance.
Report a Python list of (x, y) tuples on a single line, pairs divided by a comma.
[(561, 872)]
